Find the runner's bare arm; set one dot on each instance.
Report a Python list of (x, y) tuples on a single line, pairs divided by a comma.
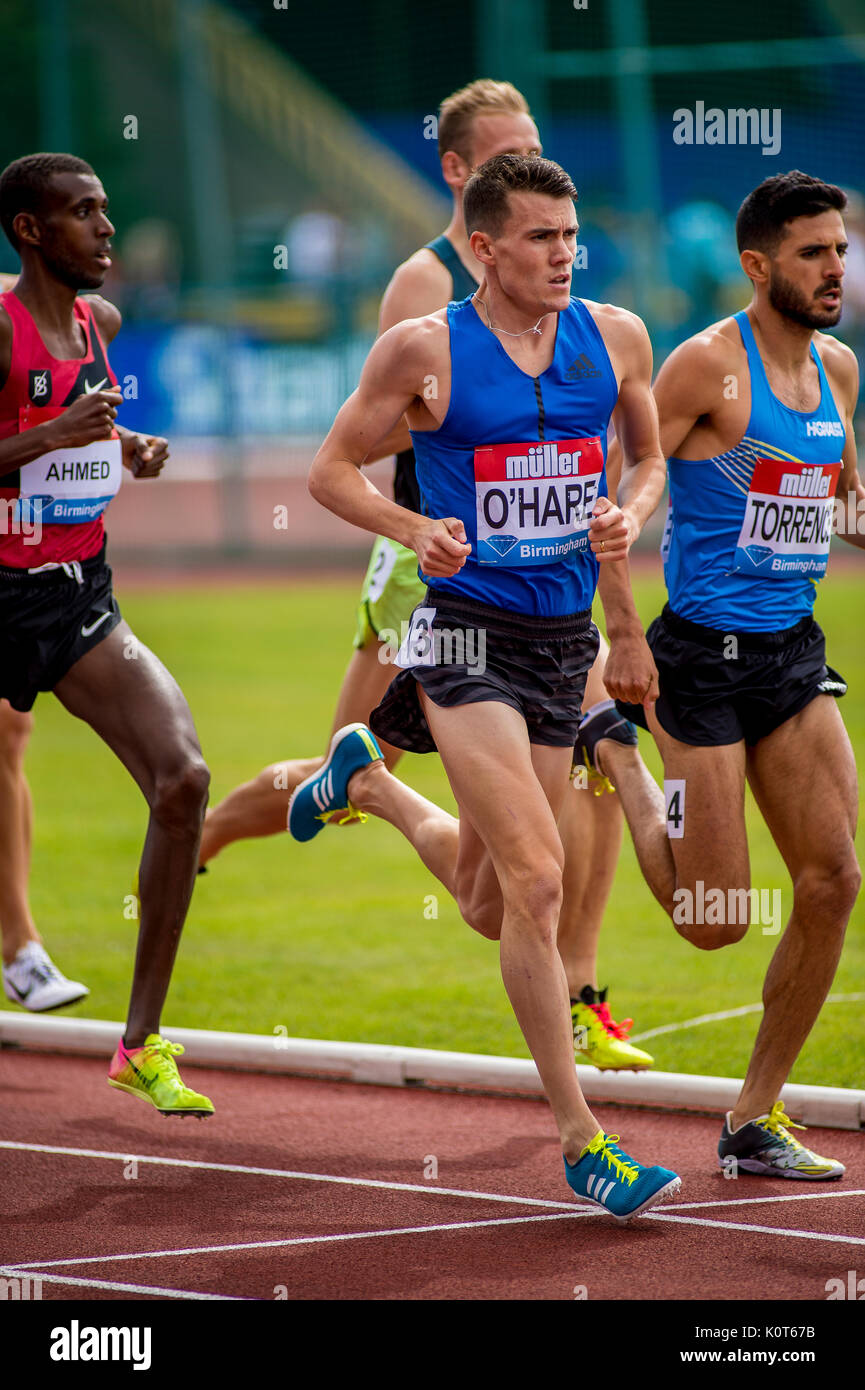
[(639, 464), (642, 471), (108, 317), (420, 286), (689, 386), (637, 482), (145, 455), (850, 493), (391, 380)]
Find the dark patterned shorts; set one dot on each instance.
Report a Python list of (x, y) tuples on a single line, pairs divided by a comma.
[(468, 653)]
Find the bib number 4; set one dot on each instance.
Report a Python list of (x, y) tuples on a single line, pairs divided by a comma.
[(674, 801)]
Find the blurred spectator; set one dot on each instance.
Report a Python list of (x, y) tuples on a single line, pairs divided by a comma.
[(316, 242), (151, 270), (852, 326), (704, 263)]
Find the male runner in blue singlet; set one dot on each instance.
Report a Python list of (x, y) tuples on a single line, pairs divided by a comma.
[(479, 121), (510, 450), (756, 420)]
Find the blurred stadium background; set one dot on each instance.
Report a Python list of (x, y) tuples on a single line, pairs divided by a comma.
[(269, 164)]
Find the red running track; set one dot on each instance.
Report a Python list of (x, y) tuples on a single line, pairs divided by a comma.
[(443, 1196)]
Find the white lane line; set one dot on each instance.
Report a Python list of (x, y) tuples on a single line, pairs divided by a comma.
[(788, 1197), (763, 1230), (427, 1188), (730, 1013), (13, 1270), (304, 1240)]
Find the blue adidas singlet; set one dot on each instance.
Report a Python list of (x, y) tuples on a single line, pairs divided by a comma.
[(521, 461), (749, 530), (405, 488)]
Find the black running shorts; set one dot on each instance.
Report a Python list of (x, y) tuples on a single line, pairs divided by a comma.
[(725, 687), (48, 620), (538, 666)]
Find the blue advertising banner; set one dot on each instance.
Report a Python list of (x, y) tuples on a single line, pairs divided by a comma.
[(196, 379)]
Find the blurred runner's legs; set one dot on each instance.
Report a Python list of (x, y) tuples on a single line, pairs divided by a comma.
[(30, 977)]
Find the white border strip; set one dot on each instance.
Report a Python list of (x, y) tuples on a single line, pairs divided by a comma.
[(828, 1106)]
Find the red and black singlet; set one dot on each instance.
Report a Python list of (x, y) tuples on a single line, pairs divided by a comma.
[(66, 489)]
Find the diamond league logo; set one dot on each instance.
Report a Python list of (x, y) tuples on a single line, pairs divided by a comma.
[(502, 544), (758, 553)]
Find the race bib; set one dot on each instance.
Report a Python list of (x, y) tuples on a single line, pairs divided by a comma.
[(418, 645), (67, 486), (534, 501), (382, 570), (787, 526)]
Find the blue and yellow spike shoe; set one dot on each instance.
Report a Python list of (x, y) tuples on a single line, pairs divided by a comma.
[(610, 1179), (767, 1147), (325, 793)]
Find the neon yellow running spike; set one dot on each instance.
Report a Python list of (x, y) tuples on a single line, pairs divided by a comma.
[(150, 1073), (598, 1039), (347, 814)]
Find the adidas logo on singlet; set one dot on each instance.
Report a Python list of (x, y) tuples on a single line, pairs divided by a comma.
[(581, 367)]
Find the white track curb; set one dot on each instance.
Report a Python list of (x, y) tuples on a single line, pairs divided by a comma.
[(824, 1106)]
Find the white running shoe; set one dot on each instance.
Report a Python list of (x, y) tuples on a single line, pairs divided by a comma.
[(34, 981)]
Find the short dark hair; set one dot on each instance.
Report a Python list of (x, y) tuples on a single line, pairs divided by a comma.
[(776, 201), (485, 197), (24, 185)]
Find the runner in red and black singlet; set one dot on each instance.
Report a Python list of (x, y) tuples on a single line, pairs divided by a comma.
[(30, 977), (73, 485), (61, 455)]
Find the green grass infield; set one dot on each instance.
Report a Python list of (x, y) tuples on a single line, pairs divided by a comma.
[(349, 937)]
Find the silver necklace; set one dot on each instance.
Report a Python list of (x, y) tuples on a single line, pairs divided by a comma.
[(493, 329)]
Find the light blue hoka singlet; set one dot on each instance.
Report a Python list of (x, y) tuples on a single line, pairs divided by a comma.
[(749, 530)]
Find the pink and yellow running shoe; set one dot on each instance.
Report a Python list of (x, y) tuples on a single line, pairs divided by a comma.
[(150, 1073)]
